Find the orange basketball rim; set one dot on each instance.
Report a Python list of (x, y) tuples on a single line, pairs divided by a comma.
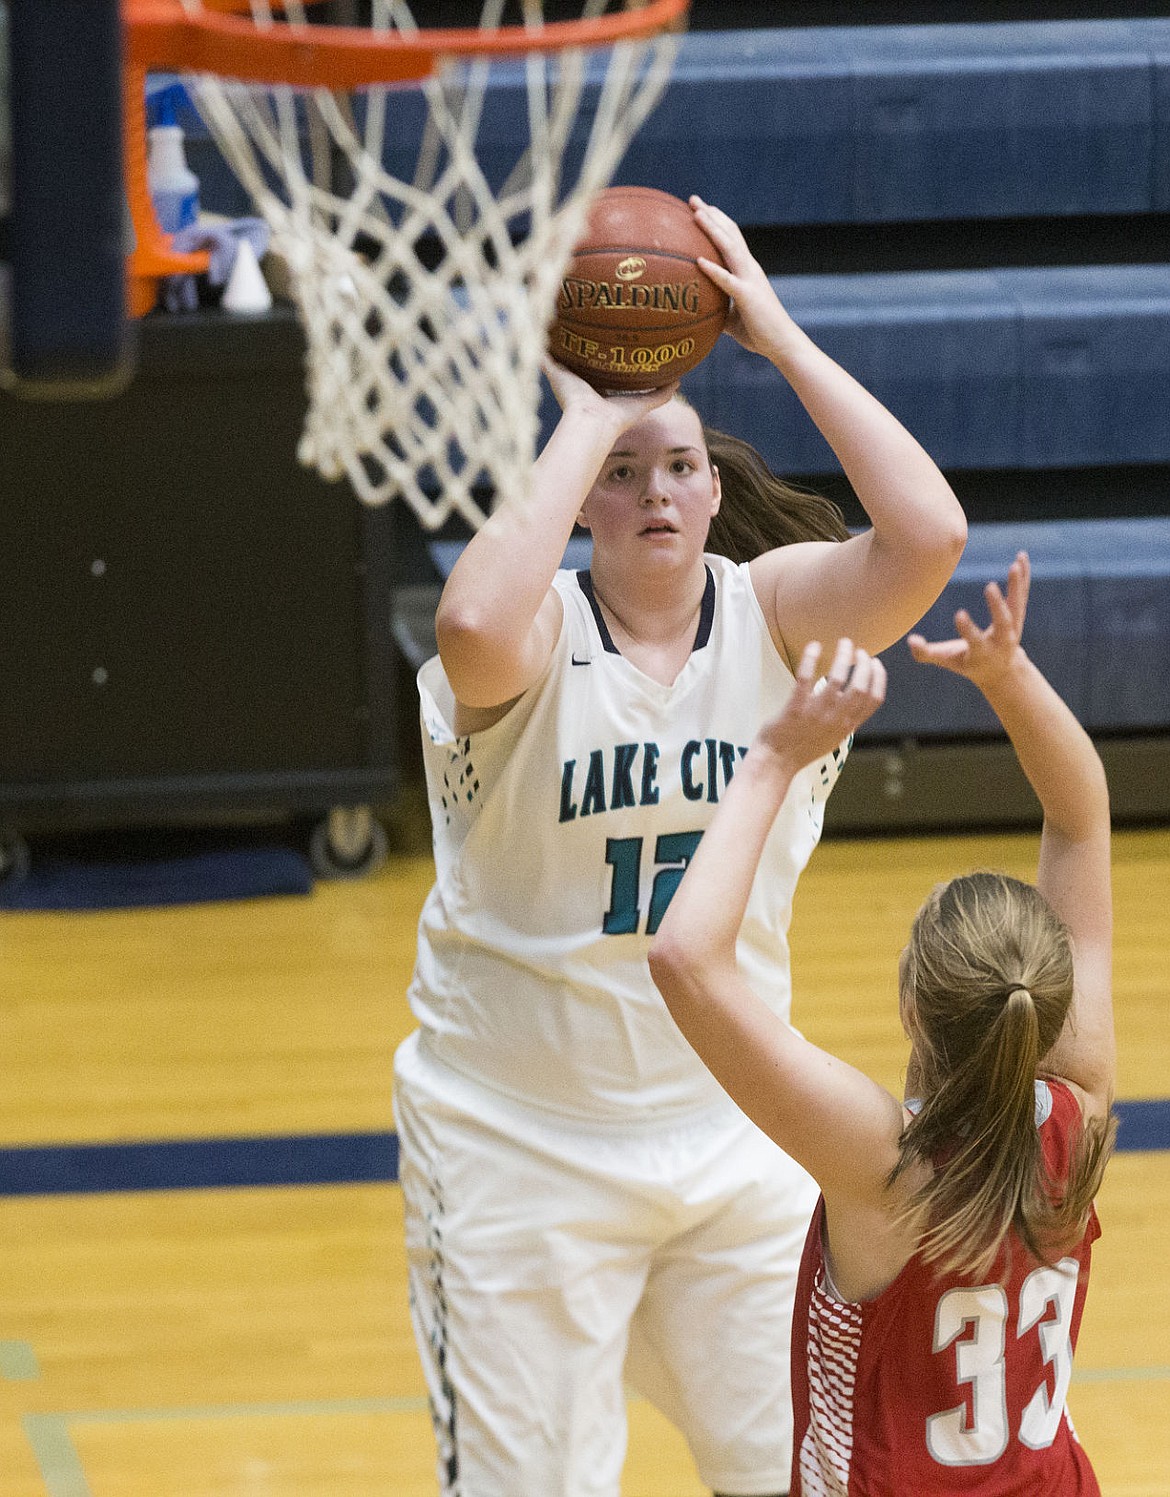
[(216, 38)]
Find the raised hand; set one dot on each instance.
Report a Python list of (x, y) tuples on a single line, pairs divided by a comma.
[(757, 317), (982, 655), (820, 715)]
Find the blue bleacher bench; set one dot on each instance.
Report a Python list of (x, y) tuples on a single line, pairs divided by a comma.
[(901, 123), (868, 124), (1059, 367), (1098, 626)]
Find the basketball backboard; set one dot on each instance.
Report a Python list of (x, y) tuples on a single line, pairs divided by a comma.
[(63, 327)]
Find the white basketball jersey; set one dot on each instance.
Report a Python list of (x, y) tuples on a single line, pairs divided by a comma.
[(560, 834)]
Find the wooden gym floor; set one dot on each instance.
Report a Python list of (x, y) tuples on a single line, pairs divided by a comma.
[(204, 1341)]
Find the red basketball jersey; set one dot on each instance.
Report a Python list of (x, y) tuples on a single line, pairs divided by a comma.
[(943, 1384)]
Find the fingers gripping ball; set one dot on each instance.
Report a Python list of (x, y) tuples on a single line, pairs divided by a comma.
[(634, 310)]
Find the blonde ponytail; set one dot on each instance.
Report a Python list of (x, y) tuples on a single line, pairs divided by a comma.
[(988, 977)]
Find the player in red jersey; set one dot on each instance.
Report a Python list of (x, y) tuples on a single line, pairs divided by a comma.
[(945, 1270)]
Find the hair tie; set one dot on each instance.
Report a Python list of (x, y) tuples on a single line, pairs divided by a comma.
[(1019, 987)]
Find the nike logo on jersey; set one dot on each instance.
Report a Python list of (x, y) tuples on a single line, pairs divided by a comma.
[(587, 661)]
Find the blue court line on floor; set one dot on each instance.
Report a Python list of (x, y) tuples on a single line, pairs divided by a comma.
[(1144, 1125), (308, 1159), (200, 1164)]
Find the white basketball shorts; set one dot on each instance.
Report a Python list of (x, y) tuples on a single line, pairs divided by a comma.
[(550, 1260)]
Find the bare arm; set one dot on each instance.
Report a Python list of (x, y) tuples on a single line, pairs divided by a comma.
[(1063, 768), (835, 1121), (499, 618), (878, 584)]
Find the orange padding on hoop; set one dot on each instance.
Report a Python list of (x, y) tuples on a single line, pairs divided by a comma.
[(152, 256), (160, 34)]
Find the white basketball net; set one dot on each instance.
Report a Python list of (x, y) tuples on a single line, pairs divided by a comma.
[(423, 378)]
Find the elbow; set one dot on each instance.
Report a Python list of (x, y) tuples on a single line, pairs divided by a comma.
[(476, 656), (663, 959), (923, 551), (686, 977), (1097, 809), (958, 535), (670, 966), (940, 532), (459, 627), (939, 546), (1100, 788), (949, 534)]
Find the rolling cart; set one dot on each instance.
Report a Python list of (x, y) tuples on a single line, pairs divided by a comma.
[(195, 627)]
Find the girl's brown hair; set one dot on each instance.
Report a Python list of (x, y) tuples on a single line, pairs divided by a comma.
[(759, 510), (987, 980)]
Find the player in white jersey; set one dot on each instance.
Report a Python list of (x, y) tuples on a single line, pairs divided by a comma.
[(581, 1199)]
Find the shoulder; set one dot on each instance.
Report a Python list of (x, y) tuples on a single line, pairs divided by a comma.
[(553, 631), (567, 583), (779, 578), (574, 586), (773, 567), (742, 595)]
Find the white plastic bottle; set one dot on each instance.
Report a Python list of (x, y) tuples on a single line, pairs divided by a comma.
[(174, 187)]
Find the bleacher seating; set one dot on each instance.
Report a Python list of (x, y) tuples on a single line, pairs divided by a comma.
[(1059, 367), (1049, 367), (1098, 626), (865, 124), (1034, 364)]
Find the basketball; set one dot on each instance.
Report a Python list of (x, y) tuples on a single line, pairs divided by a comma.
[(634, 310)]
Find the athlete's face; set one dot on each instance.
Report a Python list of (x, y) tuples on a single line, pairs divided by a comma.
[(657, 490)]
